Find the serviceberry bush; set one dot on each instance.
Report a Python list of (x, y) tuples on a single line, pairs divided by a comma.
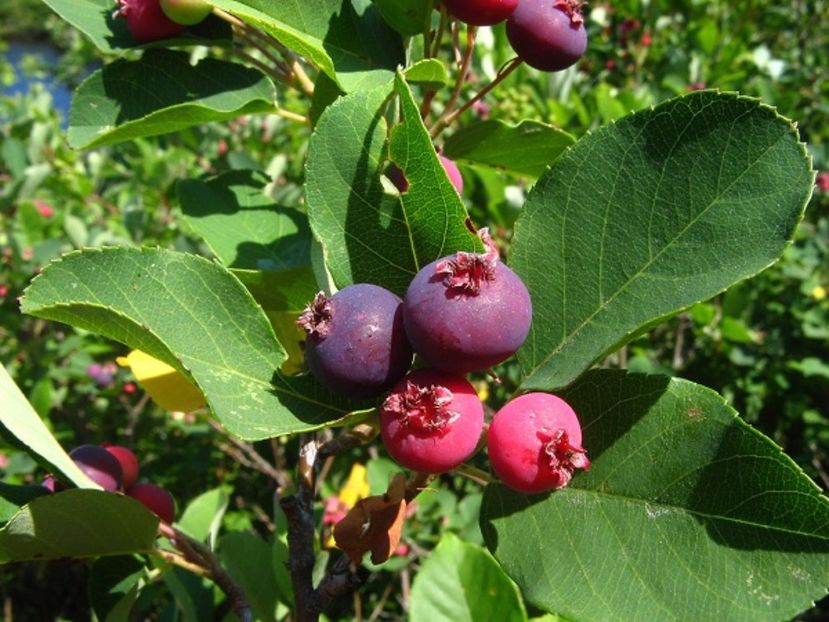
[(341, 293)]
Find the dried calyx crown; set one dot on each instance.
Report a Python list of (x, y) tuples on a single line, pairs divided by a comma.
[(316, 318), (123, 8), (422, 409), (563, 458), (467, 271), (572, 8)]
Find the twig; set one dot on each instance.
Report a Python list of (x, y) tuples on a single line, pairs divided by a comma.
[(197, 553), (306, 85), (475, 474), (282, 66), (255, 460), (360, 434), (381, 605), (446, 119), (181, 562), (266, 69), (462, 70)]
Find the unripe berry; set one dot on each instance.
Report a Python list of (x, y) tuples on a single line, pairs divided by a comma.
[(156, 499), (99, 465), (480, 12), (127, 460), (356, 344), (431, 421), (467, 311), (548, 34), (146, 21), (534, 443), (186, 12)]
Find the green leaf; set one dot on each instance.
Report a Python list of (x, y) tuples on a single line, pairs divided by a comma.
[(527, 148), (194, 315), (408, 17), (94, 18), (346, 39), (684, 503), (12, 498), (347, 207), (118, 103), (193, 594), (247, 559), (429, 72), (21, 426), (269, 246), (461, 581), (78, 523), (113, 586), (650, 215), (203, 516)]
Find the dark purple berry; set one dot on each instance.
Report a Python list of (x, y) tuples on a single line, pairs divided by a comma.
[(548, 34), (467, 311), (356, 344), (99, 465), (480, 12)]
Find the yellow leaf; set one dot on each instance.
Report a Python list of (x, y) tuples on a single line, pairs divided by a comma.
[(356, 487), (166, 386)]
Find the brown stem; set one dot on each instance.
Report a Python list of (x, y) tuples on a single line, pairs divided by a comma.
[(360, 434), (463, 69), (254, 458)]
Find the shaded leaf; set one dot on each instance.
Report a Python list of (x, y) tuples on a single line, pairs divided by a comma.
[(684, 503), (650, 215), (113, 586), (117, 103), (408, 17), (247, 559)]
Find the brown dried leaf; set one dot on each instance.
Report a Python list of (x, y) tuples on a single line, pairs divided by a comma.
[(374, 524)]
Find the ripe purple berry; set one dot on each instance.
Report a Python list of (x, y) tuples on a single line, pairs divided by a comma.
[(356, 344), (548, 34), (534, 443), (480, 12), (156, 499), (467, 311), (99, 465), (146, 21), (431, 421)]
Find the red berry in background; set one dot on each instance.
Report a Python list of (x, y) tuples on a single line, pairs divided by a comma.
[(51, 484), (186, 12), (548, 34), (129, 388), (146, 21), (99, 465), (431, 421), (534, 443), (822, 181), (402, 184), (356, 344), (156, 499), (480, 12), (467, 311), (126, 458)]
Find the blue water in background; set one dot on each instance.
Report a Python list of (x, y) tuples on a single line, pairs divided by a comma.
[(49, 55)]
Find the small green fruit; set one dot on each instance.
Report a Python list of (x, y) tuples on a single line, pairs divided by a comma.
[(186, 12)]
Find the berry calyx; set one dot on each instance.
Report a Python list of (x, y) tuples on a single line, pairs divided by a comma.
[(467, 311), (356, 343), (534, 443), (99, 465), (186, 12), (146, 21), (548, 35), (480, 12), (154, 498), (431, 421)]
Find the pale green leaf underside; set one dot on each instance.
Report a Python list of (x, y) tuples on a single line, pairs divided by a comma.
[(686, 512), (118, 103), (348, 40), (78, 523), (527, 148), (20, 421), (196, 316), (461, 582), (648, 216)]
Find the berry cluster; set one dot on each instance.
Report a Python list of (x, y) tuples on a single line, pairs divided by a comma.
[(546, 34), (461, 313), (150, 20), (115, 469)]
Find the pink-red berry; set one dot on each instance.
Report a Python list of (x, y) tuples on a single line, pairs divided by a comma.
[(467, 311), (127, 460), (154, 498), (146, 21), (534, 443), (481, 12), (431, 421), (548, 34)]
